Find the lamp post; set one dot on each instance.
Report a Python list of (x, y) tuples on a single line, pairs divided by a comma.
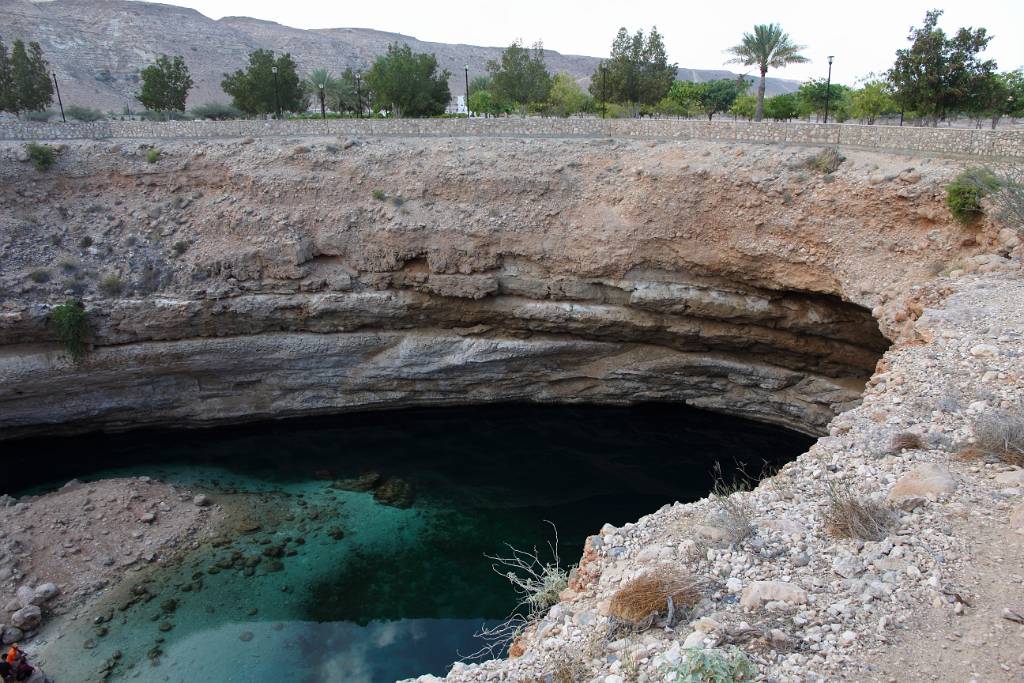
[(828, 85), (61, 103), (277, 99), (604, 102), (323, 109), (466, 67), (359, 95)]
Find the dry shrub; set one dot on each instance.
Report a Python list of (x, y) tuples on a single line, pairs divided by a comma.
[(827, 160), (731, 513), (848, 516), (568, 667), (663, 592), (1002, 435), (907, 441), (970, 454)]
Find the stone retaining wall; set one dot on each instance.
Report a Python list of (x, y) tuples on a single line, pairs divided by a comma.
[(952, 141)]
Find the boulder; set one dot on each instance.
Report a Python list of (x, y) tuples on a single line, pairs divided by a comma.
[(1013, 478), (760, 592), (10, 634), (201, 500), (27, 618), (25, 596), (1017, 517), (929, 481), (45, 592), (395, 492), (364, 482)]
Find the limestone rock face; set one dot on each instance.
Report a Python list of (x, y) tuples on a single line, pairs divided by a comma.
[(928, 480), (724, 276)]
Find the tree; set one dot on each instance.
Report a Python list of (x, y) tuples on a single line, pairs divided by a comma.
[(6, 84), (871, 100), (408, 83), (321, 85), (744, 107), (684, 96), (767, 47), (637, 72), (165, 84), (938, 75), (484, 102), (782, 107), (717, 96), (257, 90), (998, 95), (521, 77), (28, 79), (567, 97), (811, 97)]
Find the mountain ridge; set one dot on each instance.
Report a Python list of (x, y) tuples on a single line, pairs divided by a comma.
[(98, 47)]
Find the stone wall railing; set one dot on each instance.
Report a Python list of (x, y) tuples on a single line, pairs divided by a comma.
[(1008, 144)]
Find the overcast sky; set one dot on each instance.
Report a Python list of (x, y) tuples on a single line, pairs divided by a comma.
[(863, 35)]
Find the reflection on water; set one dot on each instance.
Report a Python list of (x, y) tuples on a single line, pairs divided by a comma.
[(325, 583)]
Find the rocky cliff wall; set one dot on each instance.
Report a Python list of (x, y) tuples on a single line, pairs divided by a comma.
[(239, 280)]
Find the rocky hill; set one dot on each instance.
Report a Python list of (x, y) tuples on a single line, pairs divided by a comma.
[(97, 48)]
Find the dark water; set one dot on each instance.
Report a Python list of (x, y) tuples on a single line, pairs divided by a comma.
[(398, 592)]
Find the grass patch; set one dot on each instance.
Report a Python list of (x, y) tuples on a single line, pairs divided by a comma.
[(848, 516), (379, 195), (41, 156), (153, 155), (663, 593), (39, 276), (72, 325), (111, 285), (964, 194), (1002, 435), (85, 242), (731, 514), (84, 114)]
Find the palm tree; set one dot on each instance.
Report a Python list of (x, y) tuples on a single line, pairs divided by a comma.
[(767, 46), (320, 83)]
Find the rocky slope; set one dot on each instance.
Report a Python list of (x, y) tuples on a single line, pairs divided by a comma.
[(238, 280), (98, 47)]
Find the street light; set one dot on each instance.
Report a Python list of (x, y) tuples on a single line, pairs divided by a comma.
[(323, 110), (467, 88), (604, 101), (61, 103), (277, 99), (359, 95), (828, 85)]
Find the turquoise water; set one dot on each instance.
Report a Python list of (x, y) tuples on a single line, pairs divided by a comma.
[(320, 583)]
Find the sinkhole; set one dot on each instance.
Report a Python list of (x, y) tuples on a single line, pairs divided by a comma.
[(356, 547)]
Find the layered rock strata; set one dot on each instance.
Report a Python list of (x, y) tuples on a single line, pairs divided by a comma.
[(240, 280)]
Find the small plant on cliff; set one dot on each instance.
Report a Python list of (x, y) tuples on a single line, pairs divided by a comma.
[(42, 156), (180, 247), (39, 276), (72, 327), (731, 513), (1008, 200), (379, 195), (153, 155), (713, 665), (111, 285), (964, 194), (848, 516), (537, 585)]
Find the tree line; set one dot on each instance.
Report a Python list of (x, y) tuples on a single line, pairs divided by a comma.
[(936, 77)]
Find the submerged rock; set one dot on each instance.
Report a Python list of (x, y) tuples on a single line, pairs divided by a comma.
[(396, 493), (362, 483)]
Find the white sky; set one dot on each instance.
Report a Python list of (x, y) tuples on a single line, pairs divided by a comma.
[(863, 35)]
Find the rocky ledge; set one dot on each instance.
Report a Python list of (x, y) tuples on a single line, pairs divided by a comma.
[(236, 280), (934, 595)]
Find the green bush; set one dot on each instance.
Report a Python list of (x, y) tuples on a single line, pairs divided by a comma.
[(153, 155), (713, 666), (38, 116), (39, 276), (964, 194), (827, 160), (111, 285), (42, 156), (72, 327), (180, 247), (216, 112), (164, 116), (379, 195), (83, 113), (85, 242)]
